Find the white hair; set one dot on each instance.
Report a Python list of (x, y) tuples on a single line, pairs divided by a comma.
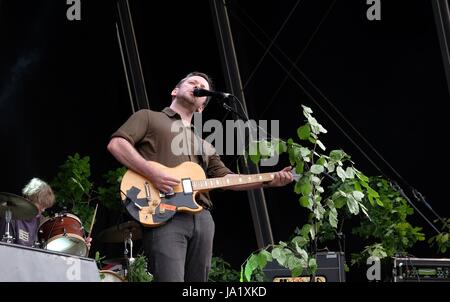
[(33, 187)]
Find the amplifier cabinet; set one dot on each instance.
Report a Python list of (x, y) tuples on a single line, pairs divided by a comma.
[(330, 268)]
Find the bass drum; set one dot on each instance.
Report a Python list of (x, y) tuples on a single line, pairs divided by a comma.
[(63, 233), (110, 276)]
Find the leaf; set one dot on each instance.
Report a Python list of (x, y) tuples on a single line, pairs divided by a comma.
[(364, 210), (248, 272), (316, 169), (322, 161), (332, 217), (261, 260), (276, 252), (362, 176), (380, 203), (294, 262), (294, 154), (337, 155), (300, 241), (283, 244), (315, 180), (312, 233), (279, 146), (330, 166), (304, 132), (341, 173), (305, 202), (370, 191), (305, 230), (267, 255), (358, 195), (281, 258), (357, 186), (302, 253), (319, 211), (296, 271), (78, 183), (304, 152), (352, 205), (319, 189), (299, 167), (306, 188), (321, 145), (312, 265), (306, 110), (250, 267), (350, 172)]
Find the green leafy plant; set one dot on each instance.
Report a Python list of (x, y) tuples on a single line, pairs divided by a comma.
[(221, 271), (388, 227), (352, 186), (109, 195), (77, 193), (441, 240), (137, 271), (73, 188)]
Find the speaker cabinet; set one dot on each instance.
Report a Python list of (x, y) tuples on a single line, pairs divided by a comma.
[(330, 268)]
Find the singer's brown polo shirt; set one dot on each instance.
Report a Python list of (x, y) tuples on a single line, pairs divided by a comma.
[(150, 132)]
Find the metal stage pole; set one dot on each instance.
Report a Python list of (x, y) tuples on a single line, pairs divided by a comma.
[(230, 66), (130, 57), (442, 17)]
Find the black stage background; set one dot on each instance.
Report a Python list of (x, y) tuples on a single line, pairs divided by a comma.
[(63, 90)]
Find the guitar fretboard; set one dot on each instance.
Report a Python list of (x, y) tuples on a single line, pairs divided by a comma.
[(238, 179)]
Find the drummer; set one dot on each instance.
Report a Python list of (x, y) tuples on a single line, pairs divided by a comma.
[(25, 231)]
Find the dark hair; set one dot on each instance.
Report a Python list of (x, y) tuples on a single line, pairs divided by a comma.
[(199, 74)]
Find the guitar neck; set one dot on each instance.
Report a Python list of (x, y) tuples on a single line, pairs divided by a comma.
[(235, 180)]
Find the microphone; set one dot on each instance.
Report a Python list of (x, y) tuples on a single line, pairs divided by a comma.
[(199, 92)]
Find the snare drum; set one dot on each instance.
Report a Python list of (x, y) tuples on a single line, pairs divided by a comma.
[(110, 276), (63, 233)]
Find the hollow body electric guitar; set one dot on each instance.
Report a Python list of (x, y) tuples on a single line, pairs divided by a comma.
[(152, 208)]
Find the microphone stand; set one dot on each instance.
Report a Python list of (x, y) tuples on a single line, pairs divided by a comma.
[(418, 196), (397, 188), (232, 110)]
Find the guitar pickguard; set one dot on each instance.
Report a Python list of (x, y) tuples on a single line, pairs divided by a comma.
[(165, 210)]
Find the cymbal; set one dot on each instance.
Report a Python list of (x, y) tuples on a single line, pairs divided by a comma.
[(20, 207), (120, 232)]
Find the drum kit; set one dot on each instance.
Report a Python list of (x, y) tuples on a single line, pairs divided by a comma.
[(61, 233), (64, 233)]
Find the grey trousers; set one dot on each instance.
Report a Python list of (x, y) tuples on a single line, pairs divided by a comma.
[(181, 249)]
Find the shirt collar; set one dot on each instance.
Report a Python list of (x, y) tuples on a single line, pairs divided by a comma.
[(170, 113)]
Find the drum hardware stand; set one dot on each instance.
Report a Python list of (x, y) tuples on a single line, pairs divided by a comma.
[(7, 237), (129, 260)]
